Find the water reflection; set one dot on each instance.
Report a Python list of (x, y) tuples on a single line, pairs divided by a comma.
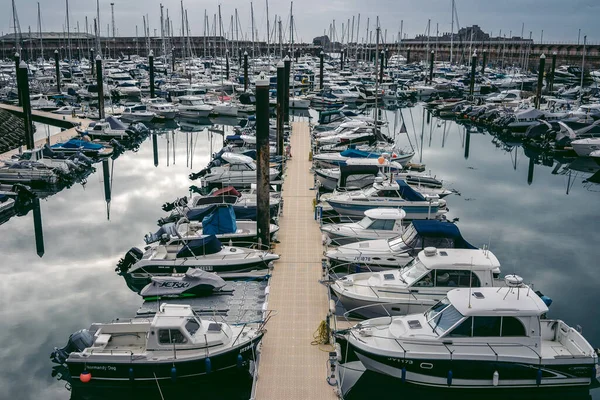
[(107, 186), (37, 226)]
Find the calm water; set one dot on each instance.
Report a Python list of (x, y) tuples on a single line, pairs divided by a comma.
[(543, 231)]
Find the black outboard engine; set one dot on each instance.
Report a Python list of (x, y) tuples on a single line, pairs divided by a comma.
[(78, 341), (181, 202), (131, 257), (194, 176)]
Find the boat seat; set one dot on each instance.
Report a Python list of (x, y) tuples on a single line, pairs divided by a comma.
[(102, 340)]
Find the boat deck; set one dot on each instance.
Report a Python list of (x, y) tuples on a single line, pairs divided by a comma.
[(290, 366)]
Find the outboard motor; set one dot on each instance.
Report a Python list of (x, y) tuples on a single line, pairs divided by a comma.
[(131, 257), (181, 202), (78, 341), (194, 176)]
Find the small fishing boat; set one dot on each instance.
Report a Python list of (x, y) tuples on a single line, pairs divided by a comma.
[(379, 223), (477, 338), (81, 146), (396, 194), (174, 345), (206, 253), (398, 251), (138, 113)]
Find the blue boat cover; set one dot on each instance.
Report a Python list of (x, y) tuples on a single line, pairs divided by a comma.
[(441, 229), (233, 137), (77, 144), (354, 153), (408, 193), (221, 221), (200, 247), (199, 213)]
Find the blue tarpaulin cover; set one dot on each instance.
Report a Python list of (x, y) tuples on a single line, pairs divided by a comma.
[(441, 229), (408, 193), (354, 153), (76, 144), (199, 247), (221, 221)]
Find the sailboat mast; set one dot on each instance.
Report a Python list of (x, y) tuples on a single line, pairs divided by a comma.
[(252, 23), (291, 29), (14, 11), (183, 53), (68, 33), (40, 30), (452, 34), (268, 28), (97, 28)]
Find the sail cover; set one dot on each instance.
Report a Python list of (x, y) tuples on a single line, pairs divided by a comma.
[(221, 221), (408, 193)]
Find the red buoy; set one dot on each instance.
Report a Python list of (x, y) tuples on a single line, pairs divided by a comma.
[(85, 377)]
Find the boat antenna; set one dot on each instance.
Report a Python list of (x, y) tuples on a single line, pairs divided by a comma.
[(470, 281)]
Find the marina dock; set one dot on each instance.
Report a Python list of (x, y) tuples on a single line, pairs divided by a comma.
[(290, 366), (63, 121)]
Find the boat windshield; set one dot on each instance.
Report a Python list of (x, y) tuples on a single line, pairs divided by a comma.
[(397, 244), (413, 271), (371, 192), (365, 222), (409, 236), (442, 316)]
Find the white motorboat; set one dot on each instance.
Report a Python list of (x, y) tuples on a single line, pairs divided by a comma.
[(419, 285), (299, 103), (399, 250), (41, 102), (396, 194), (175, 344), (111, 128), (25, 171), (239, 172), (138, 113), (161, 108), (193, 107), (477, 338), (379, 223), (67, 110), (221, 222), (206, 253), (584, 147)]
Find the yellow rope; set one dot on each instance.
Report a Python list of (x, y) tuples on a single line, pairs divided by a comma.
[(321, 337)]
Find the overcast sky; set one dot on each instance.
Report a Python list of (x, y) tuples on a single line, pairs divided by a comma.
[(559, 19)]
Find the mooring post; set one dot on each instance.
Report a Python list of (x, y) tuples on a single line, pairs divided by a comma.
[(279, 109), (483, 61), (467, 143), (321, 54), (530, 171), (37, 227), (155, 149), (172, 60), (473, 66), (107, 189), (342, 60), (408, 55), (92, 60), (151, 67), (23, 82), (262, 160), (540, 82), (551, 89), (245, 71), (431, 56), (57, 70), (227, 64), (17, 66), (100, 84), (287, 66)]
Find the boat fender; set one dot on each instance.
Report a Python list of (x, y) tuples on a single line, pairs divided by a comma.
[(131, 375), (495, 378), (449, 378), (85, 376), (403, 376), (173, 374), (538, 377), (240, 361), (208, 365)]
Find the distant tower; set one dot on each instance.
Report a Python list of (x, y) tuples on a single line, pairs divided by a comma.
[(112, 11)]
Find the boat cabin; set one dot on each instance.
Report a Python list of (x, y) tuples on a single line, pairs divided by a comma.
[(385, 219)]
